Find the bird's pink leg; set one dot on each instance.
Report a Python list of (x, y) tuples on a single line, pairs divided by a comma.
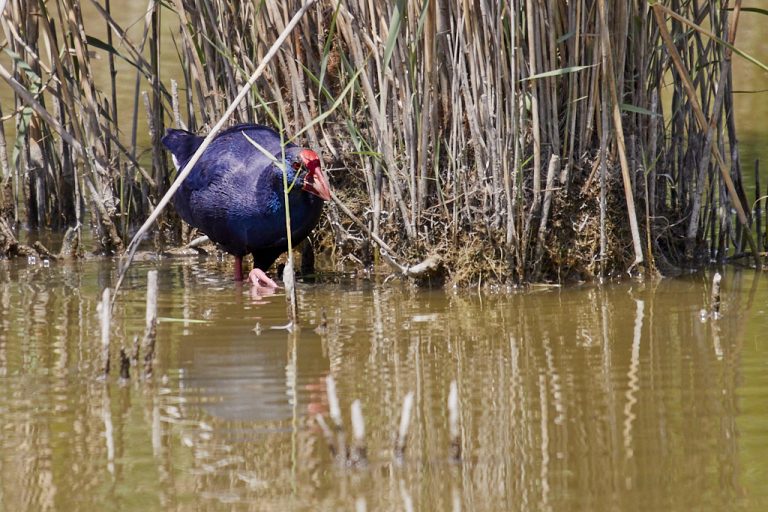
[(259, 278), (238, 268)]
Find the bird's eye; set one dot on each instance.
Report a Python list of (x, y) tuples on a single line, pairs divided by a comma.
[(296, 165)]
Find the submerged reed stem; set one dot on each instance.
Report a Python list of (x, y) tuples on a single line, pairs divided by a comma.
[(714, 303), (335, 412), (405, 423), (328, 435), (105, 317), (453, 422), (358, 455), (150, 328)]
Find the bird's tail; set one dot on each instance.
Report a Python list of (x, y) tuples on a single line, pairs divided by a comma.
[(182, 144)]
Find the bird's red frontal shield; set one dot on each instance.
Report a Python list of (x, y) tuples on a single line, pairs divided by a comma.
[(315, 181)]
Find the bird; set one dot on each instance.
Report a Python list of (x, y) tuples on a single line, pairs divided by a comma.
[(235, 194)]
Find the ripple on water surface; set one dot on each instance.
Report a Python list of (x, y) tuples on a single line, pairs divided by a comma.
[(617, 397)]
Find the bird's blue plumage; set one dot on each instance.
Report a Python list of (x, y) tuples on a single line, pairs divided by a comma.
[(234, 193)]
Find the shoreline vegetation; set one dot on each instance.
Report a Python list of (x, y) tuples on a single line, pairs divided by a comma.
[(494, 142)]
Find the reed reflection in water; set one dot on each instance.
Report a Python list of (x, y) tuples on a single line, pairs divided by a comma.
[(614, 397)]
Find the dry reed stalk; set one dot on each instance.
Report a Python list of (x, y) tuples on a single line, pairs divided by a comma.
[(453, 422), (150, 328), (105, 310), (698, 183), (535, 124), (358, 454), (608, 74), (758, 210), (658, 11), (159, 162), (405, 423), (552, 170), (125, 365), (5, 169), (714, 304), (765, 236), (334, 411), (328, 435), (603, 178), (83, 118)]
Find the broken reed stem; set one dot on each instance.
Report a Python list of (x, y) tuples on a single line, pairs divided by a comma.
[(453, 422), (136, 350), (422, 269), (699, 178), (608, 73), (552, 171), (322, 326), (405, 422), (328, 435), (758, 209), (105, 313), (603, 175), (289, 276), (333, 401), (125, 365), (150, 329), (335, 412), (692, 96), (289, 282), (714, 302), (358, 455), (175, 105)]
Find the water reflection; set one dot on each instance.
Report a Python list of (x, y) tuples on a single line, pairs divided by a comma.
[(618, 397), (246, 381)]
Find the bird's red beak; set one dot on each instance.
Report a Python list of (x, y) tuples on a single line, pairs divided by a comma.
[(315, 181)]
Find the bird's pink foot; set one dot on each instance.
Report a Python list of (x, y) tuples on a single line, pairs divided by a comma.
[(259, 278)]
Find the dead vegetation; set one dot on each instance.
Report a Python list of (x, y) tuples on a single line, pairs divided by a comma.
[(518, 141)]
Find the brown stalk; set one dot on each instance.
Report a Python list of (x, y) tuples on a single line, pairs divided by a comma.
[(617, 124), (698, 182), (535, 125), (701, 119)]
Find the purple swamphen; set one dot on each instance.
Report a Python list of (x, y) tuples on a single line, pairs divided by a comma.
[(234, 193)]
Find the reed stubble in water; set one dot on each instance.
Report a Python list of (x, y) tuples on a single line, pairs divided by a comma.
[(105, 314), (355, 455), (150, 328), (715, 296), (453, 422), (358, 453), (442, 142), (405, 423)]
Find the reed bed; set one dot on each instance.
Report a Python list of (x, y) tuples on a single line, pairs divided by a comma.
[(513, 141)]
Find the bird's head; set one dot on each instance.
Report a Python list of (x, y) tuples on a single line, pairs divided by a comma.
[(305, 169)]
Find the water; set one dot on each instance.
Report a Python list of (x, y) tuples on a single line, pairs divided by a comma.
[(612, 398), (585, 398)]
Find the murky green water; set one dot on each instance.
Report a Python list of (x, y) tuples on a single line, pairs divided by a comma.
[(613, 398)]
